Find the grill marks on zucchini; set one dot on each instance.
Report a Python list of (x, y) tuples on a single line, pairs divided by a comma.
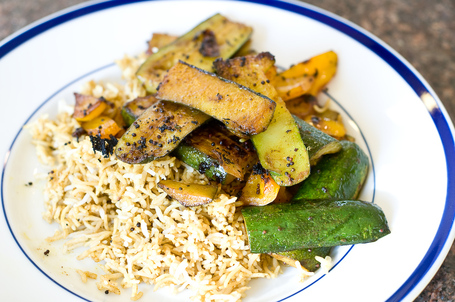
[(222, 99), (157, 132), (215, 37), (280, 148)]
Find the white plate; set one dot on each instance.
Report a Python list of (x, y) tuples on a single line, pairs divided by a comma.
[(389, 108)]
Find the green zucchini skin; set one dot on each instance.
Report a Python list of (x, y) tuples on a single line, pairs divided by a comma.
[(317, 142), (306, 257), (336, 176), (319, 223), (200, 162), (230, 36)]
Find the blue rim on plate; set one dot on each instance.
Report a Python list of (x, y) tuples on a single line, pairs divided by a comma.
[(421, 89)]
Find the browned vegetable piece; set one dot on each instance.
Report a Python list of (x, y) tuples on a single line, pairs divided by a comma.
[(329, 122), (284, 195), (157, 132), (308, 77), (302, 106), (88, 107), (215, 141), (280, 148), (260, 188), (133, 109), (102, 125), (243, 111), (245, 50), (195, 48), (289, 86), (159, 40), (189, 195)]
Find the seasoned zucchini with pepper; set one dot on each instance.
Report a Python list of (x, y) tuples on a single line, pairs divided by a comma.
[(317, 142), (243, 111), (133, 109), (313, 223), (219, 149), (336, 176), (213, 38), (157, 132), (280, 148)]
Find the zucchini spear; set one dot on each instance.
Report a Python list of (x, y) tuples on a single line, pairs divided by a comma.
[(292, 226), (213, 38), (243, 111), (280, 148)]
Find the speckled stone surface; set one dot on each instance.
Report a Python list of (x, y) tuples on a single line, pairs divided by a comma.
[(422, 31)]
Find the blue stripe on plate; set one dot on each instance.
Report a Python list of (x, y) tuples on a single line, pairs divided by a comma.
[(413, 80)]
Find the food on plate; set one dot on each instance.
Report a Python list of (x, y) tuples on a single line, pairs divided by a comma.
[(157, 132), (195, 173), (280, 148), (227, 101), (213, 38)]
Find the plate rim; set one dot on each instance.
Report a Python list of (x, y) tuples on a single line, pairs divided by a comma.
[(445, 234)]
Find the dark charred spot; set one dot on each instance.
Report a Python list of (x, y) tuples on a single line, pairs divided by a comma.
[(209, 46)]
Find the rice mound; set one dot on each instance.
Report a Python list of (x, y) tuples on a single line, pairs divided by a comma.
[(116, 211)]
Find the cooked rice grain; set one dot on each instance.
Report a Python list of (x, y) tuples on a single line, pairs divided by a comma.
[(116, 212)]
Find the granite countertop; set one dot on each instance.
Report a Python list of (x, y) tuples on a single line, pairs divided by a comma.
[(422, 31)]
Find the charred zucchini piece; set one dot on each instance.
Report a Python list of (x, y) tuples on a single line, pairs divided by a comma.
[(243, 111), (201, 162), (157, 132), (223, 149), (292, 226), (260, 188), (189, 195), (280, 148), (317, 142), (215, 37), (306, 257), (88, 107), (336, 176), (133, 109)]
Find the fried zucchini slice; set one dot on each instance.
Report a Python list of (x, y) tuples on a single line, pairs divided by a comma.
[(243, 111), (189, 195), (195, 47), (133, 109), (217, 147), (280, 148), (157, 132), (317, 142)]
